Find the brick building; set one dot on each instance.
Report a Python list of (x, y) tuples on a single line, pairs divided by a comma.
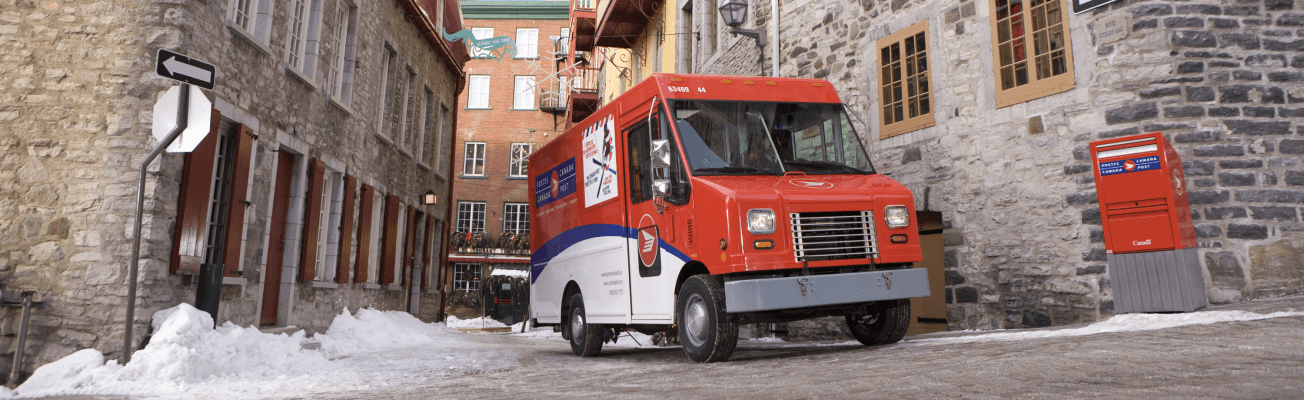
[(511, 106), (331, 120), (998, 141)]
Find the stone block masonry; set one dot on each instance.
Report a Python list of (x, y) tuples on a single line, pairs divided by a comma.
[(1024, 244)]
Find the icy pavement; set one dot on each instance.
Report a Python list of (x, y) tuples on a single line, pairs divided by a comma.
[(391, 355)]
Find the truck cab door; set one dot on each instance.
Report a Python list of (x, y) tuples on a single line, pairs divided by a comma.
[(656, 248)]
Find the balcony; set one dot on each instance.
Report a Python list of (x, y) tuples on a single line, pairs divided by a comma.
[(621, 22), (583, 24), (582, 100)]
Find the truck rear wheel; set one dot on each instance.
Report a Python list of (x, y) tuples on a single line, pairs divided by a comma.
[(585, 338), (704, 328), (886, 324)]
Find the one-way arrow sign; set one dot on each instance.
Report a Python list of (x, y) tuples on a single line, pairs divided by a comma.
[(185, 69)]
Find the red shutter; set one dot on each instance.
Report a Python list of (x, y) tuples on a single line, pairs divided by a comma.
[(346, 229), (311, 221), (364, 234), (425, 259), (390, 240), (192, 209), (409, 251), (235, 217)]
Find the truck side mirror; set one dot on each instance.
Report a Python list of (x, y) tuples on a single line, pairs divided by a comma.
[(660, 168), (660, 153)]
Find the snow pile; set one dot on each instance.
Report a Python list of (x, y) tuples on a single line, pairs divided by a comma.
[(186, 357), (519, 273), (480, 322), (1118, 323)]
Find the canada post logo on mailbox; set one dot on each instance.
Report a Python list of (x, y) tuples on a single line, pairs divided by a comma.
[(556, 184), (1132, 165)]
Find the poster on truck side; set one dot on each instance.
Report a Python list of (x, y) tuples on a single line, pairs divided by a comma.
[(600, 167)]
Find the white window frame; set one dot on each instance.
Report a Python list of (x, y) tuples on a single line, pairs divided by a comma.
[(565, 41), (444, 143), (428, 122), (470, 214), (345, 48), (303, 37), (521, 211), (400, 245), (473, 158), (523, 92), (527, 43), (481, 34), (377, 226), (518, 166), (478, 92), (328, 227), (251, 19), (408, 119), (388, 72), (466, 277)]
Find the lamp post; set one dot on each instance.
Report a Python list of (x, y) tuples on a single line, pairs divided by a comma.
[(734, 13)]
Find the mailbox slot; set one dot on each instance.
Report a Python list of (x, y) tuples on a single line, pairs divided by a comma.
[(1134, 204)]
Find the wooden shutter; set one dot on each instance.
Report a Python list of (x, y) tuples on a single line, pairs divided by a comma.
[(346, 229), (238, 202), (364, 234), (192, 209), (425, 260), (390, 240), (311, 221), (409, 251)]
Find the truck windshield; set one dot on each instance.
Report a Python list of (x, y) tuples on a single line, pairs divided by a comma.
[(752, 138)]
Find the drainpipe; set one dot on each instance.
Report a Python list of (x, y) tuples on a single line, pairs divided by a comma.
[(27, 305), (774, 38)]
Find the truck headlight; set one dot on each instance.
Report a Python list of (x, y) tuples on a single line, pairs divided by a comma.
[(760, 221), (897, 216)]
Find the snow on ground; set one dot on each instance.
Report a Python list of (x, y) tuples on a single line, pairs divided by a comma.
[(519, 273), (187, 358), (480, 322), (1117, 323)]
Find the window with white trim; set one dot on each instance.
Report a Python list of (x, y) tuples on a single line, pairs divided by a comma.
[(523, 99), (377, 226), (424, 146), (328, 227), (409, 106), (251, 18), (470, 216), (516, 218), (527, 43), (400, 245), (344, 47), (466, 277), (473, 159), (444, 140), (517, 167), (302, 43), (564, 47), (481, 34), (478, 96), (387, 77)]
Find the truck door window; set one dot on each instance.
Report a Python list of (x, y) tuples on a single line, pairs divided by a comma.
[(640, 174)]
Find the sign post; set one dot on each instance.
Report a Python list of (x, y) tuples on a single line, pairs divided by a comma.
[(173, 117)]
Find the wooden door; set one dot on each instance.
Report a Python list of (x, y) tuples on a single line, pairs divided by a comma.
[(276, 252)]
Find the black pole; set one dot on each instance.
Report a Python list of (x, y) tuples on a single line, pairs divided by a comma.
[(182, 116)]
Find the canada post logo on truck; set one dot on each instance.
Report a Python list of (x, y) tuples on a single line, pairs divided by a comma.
[(556, 184)]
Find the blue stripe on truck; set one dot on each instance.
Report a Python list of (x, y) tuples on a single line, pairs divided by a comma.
[(540, 259)]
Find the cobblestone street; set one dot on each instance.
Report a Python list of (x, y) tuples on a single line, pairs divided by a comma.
[(1254, 359)]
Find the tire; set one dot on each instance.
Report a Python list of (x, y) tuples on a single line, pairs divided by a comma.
[(886, 324), (585, 338), (705, 330)]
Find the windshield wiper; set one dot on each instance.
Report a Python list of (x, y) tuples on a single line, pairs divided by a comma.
[(740, 170), (827, 165)]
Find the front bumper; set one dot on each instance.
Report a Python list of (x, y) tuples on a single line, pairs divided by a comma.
[(768, 294)]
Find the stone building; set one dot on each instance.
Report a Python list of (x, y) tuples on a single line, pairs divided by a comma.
[(331, 121), (512, 106), (995, 133)]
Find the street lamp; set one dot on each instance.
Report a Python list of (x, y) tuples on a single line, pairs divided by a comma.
[(429, 199), (734, 13)]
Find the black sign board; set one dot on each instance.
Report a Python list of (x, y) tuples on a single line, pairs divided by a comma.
[(185, 69), (1080, 6)]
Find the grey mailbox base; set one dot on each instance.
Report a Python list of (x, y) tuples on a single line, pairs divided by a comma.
[(1157, 281)]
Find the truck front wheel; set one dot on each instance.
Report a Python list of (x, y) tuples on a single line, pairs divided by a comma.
[(886, 323), (585, 338), (704, 328)]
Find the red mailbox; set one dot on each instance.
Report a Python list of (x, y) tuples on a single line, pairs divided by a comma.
[(1142, 194), (1149, 237)]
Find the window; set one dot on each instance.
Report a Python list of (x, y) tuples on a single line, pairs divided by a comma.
[(387, 100), (527, 43), (444, 121), (905, 92), (305, 32), (427, 128), (481, 34), (563, 46), (516, 218), (219, 199), (409, 105), (400, 245), (470, 216), (520, 159), (479, 94), (708, 30), (524, 93), (252, 19), (377, 226), (684, 43), (328, 228), (466, 277), (1020, 78), (344, 46), (473, 161)]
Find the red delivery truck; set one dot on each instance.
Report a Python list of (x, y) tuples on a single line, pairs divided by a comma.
[(692, 204)]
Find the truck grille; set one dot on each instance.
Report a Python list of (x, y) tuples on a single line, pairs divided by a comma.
[(842, 235)]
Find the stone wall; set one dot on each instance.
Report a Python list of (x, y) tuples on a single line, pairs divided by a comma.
[(1024, 245), (76, 89)]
